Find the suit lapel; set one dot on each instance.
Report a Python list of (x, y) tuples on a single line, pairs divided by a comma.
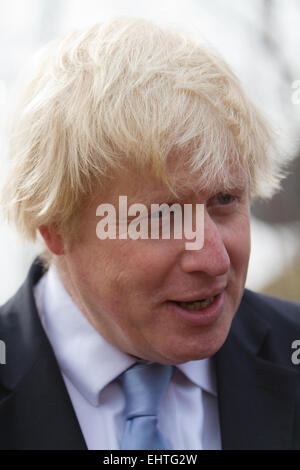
[(35, 409), (38, 414), (256, 397)]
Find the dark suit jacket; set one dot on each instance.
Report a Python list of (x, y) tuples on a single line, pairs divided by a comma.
[(258, 385)]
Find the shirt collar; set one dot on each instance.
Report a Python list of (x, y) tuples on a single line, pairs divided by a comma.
[(201, 373), (84, 356)]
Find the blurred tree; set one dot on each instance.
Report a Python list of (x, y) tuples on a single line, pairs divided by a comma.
[(287, 286), (284, 207)]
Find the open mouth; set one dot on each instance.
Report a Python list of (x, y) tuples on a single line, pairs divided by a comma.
[(200, 312), (196, 305)]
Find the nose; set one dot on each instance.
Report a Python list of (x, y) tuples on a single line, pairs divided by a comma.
[(212, 259)]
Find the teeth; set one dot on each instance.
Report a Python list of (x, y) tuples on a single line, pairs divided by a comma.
[(197, 304)]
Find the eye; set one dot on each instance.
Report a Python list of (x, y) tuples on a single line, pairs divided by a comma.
[(157, 215), (224, 199), (222, 203), (162, 212)]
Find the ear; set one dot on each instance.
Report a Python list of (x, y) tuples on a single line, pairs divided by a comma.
[(52, 238)]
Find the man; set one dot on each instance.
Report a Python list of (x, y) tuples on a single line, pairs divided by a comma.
[(131, 109)]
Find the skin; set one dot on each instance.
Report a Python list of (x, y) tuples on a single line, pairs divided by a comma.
[(122, 286)]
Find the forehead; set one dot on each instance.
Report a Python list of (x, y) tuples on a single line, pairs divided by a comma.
[(146, 188)]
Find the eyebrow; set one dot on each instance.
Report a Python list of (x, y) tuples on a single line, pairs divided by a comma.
[(156, 198), (234, 188), (167, 197)]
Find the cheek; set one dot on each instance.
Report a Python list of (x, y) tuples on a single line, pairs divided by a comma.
[(122, 275), (148, 262), (238, 245)]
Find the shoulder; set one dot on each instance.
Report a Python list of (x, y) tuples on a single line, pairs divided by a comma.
[(272, 309), (16, 313), (21, 330), (268, 326)]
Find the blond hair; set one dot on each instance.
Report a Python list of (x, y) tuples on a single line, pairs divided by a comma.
[(128, 93)]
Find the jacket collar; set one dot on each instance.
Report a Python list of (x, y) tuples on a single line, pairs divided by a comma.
[(30, 362), (257, 397), (23, 333)]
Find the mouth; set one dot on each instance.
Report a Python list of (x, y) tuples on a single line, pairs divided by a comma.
[(201, 312), (196, 305)]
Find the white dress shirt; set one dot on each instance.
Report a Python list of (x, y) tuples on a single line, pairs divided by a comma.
[(188, 415)]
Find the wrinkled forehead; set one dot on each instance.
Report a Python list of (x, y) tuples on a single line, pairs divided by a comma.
[(190, 171), (207, 181), (181, 184)]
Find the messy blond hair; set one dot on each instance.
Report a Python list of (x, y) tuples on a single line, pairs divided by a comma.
[(128, 93)]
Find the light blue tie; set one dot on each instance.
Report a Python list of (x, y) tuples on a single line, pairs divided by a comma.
[(144, 385)]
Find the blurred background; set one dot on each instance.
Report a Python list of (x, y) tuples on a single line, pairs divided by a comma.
[(260, 39)]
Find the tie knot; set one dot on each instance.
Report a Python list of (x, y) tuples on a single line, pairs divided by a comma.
[(144, 385)]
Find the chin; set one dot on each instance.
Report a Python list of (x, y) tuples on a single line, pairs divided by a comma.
[(202, 349), (173, 358)]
